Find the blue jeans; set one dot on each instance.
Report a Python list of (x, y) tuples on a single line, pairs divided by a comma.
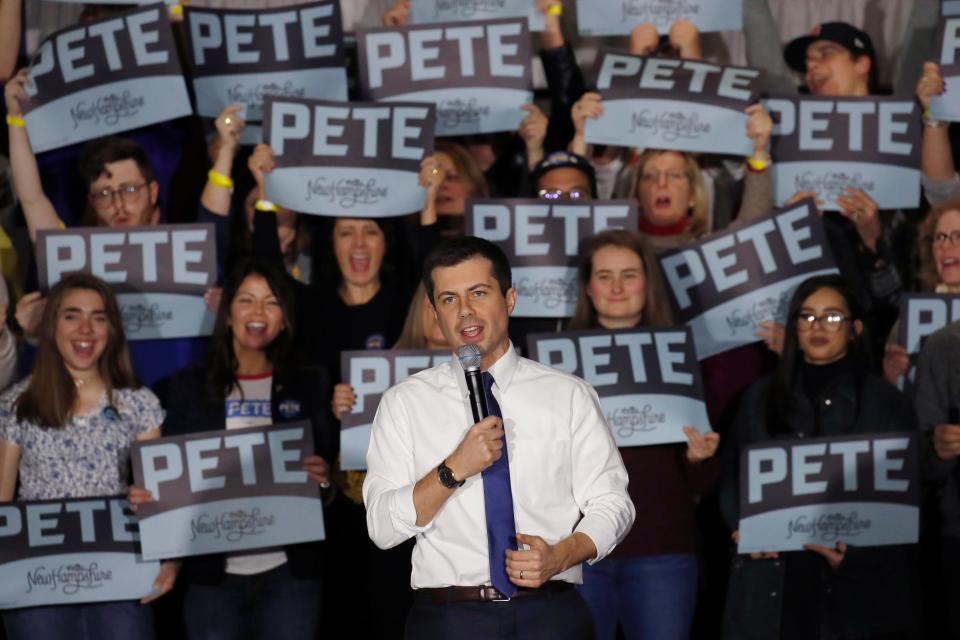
[(269, 606), (93, 621), (651, 597)]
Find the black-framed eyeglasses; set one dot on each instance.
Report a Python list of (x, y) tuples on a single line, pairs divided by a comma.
[(127, 192), (941, 239), (561, 194), (830, 321)]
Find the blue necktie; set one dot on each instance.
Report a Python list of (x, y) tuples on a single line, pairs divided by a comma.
[(498, 504)]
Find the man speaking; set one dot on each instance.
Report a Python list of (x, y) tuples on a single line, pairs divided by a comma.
[(505, 508)]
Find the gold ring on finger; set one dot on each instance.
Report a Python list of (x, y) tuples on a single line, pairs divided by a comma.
[(434, 171), (227, 120), (521, 574)]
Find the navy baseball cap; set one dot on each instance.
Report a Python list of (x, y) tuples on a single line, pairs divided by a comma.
[(855, 40)]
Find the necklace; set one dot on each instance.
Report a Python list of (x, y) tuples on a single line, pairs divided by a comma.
[(78, 382)]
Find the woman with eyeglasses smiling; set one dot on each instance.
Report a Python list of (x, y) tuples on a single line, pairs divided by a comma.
[(938, 246), (821, 387)]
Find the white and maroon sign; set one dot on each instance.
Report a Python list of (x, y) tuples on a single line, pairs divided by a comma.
[(727, 282), (105, 77), (434, 11), (159, 273), (227, 491), (863, 490), (618, 18), (648, 380), (370, 373), (827, 145), (71, 551), (542, 240), (348, 159), (243, 55), (669, 103), (476, 73)]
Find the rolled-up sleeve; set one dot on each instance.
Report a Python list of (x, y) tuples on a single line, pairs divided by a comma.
[(391, 478), (599, 477)]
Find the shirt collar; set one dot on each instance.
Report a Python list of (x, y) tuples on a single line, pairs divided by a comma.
[(502, 370)]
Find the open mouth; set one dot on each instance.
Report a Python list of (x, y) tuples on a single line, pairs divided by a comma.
[(83, 348), (949, 262), (662, 202), (256, 328), (359, 263), (471, 333)]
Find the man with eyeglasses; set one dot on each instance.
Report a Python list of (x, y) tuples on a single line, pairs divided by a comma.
[(121, 191), (564, 176)]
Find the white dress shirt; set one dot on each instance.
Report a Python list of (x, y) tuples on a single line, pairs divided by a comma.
[(565, 470)]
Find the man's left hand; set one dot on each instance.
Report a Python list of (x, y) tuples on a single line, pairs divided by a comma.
[(534, 566)]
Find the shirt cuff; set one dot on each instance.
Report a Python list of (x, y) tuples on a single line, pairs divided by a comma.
[(404, 513), (937, 191), (601, 533)]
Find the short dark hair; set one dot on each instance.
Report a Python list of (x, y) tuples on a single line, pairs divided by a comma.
[(96, 154), (453, 251)]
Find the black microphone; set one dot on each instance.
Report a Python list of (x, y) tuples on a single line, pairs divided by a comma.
[(469, 356)]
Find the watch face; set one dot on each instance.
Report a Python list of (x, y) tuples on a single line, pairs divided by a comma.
[(446, 477)]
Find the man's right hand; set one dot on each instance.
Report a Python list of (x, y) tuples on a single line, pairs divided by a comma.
[(946, 441), (480, 448), (14, 93)]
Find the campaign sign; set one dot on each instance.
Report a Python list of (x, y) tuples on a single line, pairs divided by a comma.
[(227, 491), (342, 159), (608, 18), (105, 77), (541, 240), (648, 380), (477, 73), (726, 283), (947, 105), (433, 11), (370, 373), (863, 490), (159, 273), (71, 551), (669, 103), (242, 55), (922, 314), (827, 145), (950, 8)]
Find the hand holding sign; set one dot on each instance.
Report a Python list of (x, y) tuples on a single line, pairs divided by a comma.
[(29, 312), (946, 441), (165, 580), (759, 128), (685, 38), (397, 15), (344, 397), (834, 557), (261, 163), (896, 362), (931, 84), (229, 125), (15, 93), (701, 447), (533, 129), (318, 470), (862, 211), (644, 39)]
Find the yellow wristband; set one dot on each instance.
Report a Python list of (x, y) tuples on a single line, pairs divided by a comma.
[(756, 165), (218, 179), (16, 121), (265, 205), (555, 10)]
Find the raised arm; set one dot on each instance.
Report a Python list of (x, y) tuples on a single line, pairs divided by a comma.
[(218, 191), (37, 208), (11, 13)]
